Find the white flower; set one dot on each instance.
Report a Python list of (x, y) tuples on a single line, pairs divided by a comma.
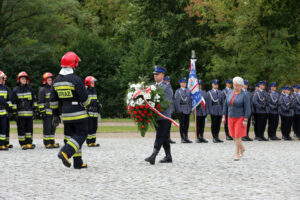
[(137, 87), (152, 104), (157, 97), (147, 95), (130, 95), (140, 101), (132, 86), (153, 87)]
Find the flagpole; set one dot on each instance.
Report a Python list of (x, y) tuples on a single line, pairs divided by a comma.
[(195, 110)]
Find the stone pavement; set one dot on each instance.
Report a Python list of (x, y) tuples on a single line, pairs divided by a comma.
[(117, 170)]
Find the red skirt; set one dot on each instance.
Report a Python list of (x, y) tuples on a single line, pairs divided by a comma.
[(236, 128)]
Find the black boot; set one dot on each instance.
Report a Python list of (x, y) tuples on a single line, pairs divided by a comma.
[(168, 157), (171, 141), (187, 139), (203, 140), (228, 137), (78, 163), (151, 159)]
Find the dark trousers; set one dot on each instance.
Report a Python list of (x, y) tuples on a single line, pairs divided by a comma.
[(215, 125), (184, 120), (249, 125), (3, 124), (297, 121), (255, 125), (78, 133), (200, 126), (162, 136), (273, 120), (48, 130), (286, 125), (25, 130), (226, 126), (295, 125), (7, 132), (93, 126), (261, 123)]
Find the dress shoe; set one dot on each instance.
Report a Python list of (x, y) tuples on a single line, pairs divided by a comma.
[(188, 140), (151, 159), (275, 138), (198, 141), (264, 139), (183, 141), (257, 138), (246, 138), (229, 138), (219, 140), (64, 158), (203, 140), (289, 138), (166, 159), (171, 141)]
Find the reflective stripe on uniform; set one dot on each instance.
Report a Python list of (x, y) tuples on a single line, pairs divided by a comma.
[(2, 137), (64, 86), (3, 93), (74, 116), (3, 112), (48, 111), (9, 103), (92, 96), (26, 95), (41, 105), (25, 113), (21, 138), (73, 144), (47, 95), (93, 114), (14, 106), (54, 105), (91, 136), (87, 102), (28, 135), (78, 153), (48, 137), (67, 138)]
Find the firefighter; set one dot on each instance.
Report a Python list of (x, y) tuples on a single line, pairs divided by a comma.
[(46, 112), (69, 98), (93, 111), (24, 110), (5, 106), (9, 117)]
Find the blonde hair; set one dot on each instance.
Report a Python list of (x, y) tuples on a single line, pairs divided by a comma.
[(238, 80)]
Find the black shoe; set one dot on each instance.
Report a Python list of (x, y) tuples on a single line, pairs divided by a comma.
[(275, 138), (198, 141), (229, 138), (183, 141), (31, 146), (10, 146), (188, 140), (219, 140), (171, 141), (289, 138), (3, 148), (246, 138), (203, 140), (84, 165), (264, 139), (166, 159), (151, 159), (258, 138), (64, 158)]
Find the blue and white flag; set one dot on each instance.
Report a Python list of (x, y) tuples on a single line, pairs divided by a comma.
[(194, 87)]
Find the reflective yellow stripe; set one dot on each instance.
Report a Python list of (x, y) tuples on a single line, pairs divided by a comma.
[(29, 97), (3, 113), (77, 155), (3, 95), (75, 117), (49, 138), (65, 87), (25, 115), (2, 138), (87, 102), (21, 139), (53, 106), (49, 113), (66, 138), (72, 145), (47, 96), (28, 136), (93, 98)]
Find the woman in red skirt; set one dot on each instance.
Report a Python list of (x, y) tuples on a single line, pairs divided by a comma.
[(237, 107)]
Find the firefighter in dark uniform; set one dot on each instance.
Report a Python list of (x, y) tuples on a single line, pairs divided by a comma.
[(286, 111), (5, 107), (260, 103), (69, 98), (25, 110), (201, 112), (273, 116), (93, 111), (9, 117), (46, 112), (167, 80), (225, 92), (215, 109), (183, 106), (162, 127), (249, 95)]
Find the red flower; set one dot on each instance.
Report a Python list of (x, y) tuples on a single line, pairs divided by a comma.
[(137, 107), (150, 115), (135, 112), (147, 106), (146, 111), (140, 112), (135, 120), (142, 107), (142, 126), (148, 121), (130, 107), (158, 106), (141, 119), (133, 116), (159, 110), (143, 115), (127, 108)]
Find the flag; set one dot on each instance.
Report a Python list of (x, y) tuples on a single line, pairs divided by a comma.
[(194, 87)]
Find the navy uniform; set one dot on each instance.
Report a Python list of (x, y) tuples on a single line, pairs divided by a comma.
[(260, 103), (183, 106), (297, 113), (286, 111), (225, 92), (253, 111), (69, 98), (201, 112), (249, 95), (5, 107), (215, 109), (93, 111), (295, 92), (167, 80), (25, 110), (273, 116), (162, 127), (46, 113)]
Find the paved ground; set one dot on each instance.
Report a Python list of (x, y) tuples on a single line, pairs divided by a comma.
[(269, 170)]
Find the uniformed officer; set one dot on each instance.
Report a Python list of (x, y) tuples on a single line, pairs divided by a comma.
[(5, 107), (286, 111), (9, 117), (295, 92), (25, 110), (46, 112), (68, 96), (93, 111), (183, 106), (273, 116), (260, 103), (215, 109), (225, 92), (253, 110), (297, 113), (201, 112), (162, 127), (249, 95), (168, 81)]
